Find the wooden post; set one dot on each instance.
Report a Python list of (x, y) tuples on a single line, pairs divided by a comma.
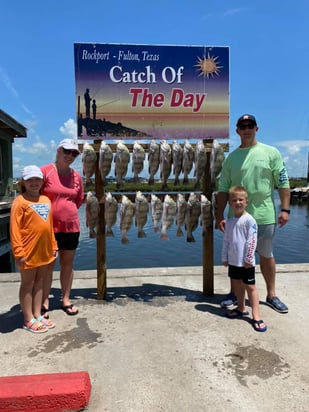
[(101, 239), (208, 241)]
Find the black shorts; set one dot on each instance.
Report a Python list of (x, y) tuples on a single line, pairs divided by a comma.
[(67, 241), (247, 275)]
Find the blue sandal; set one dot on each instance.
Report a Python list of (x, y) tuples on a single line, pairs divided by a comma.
[(257, 325)]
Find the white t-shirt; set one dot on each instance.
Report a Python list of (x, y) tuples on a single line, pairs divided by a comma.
[(240, 240)]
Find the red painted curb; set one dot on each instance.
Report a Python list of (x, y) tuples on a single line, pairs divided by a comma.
[(56, 392)]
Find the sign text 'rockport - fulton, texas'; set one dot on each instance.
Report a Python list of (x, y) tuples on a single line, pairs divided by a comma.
[(142, 92)]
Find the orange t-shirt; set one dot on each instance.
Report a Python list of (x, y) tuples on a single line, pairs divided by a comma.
[(31, 229)]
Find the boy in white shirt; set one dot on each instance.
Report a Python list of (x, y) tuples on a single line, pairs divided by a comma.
[(238, 253)]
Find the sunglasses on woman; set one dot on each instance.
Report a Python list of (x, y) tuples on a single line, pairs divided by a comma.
[(67, 152)]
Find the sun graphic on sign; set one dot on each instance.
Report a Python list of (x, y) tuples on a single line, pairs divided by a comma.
[(208, 66)]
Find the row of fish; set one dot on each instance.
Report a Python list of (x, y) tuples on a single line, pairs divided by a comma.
[(187, 214), (162, 157)]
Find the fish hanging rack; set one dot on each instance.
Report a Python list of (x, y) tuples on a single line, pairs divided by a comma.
[(208, 243), (131, 186), (113, 146)]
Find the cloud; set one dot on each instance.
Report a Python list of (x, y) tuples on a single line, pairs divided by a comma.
[(37, 147), (69, 129), (4, 78), (295, 156), (232, 12), (293, 146), (31, 125), (7, 83), (32, 151)]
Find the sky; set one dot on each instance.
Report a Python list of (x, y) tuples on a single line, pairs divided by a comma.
[(269, 63)]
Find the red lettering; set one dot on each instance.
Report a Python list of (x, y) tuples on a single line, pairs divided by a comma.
[(145, 98)]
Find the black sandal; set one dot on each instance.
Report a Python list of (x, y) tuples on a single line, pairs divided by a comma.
[(68, 309), (44, 312)]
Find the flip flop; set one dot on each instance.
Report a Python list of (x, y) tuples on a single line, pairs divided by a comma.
[(256, 324), (68, 309), (236, 314)]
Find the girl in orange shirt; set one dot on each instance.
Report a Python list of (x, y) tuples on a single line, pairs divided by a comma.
[(33, 245)]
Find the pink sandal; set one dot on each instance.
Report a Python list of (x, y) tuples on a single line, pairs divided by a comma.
[(34, 326), (46, 322)]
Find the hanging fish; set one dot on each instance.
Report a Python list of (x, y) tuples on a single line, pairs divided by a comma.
[(121, 159), (206, 214), (89, 161), (168, 215), (200, 162), (156, 211), (187, 161), (105, 160), (110, 213), (216, 160), (92, 210), (141, 212), (126, 218), (165, 163), (138, 158), (153, 160), (181, 207), (192, 215), (177, 152)]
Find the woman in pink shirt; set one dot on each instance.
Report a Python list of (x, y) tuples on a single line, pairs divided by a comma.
[(64, 187)]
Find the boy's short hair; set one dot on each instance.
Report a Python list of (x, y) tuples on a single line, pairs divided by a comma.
[(237, 189)]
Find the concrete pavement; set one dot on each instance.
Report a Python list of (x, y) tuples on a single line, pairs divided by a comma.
[(157, 344)]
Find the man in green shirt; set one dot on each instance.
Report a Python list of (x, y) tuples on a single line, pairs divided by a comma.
[(260, 169)]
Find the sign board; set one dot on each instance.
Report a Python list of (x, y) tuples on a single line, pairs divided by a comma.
[(143, 92)]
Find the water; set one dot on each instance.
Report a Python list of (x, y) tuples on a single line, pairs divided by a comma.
[(291, 245)]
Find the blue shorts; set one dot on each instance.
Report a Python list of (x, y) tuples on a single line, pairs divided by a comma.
[(67, 241), (265, 240), (247, 275)]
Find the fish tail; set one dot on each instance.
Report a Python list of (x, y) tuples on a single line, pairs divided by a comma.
[(124, 240), (109, 233), (179, 232), (190, 238), (141, 233)]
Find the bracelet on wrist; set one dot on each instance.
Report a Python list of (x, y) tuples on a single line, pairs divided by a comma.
[(286, 211)]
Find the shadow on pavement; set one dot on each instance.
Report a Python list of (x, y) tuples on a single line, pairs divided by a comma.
[(156, 294)]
